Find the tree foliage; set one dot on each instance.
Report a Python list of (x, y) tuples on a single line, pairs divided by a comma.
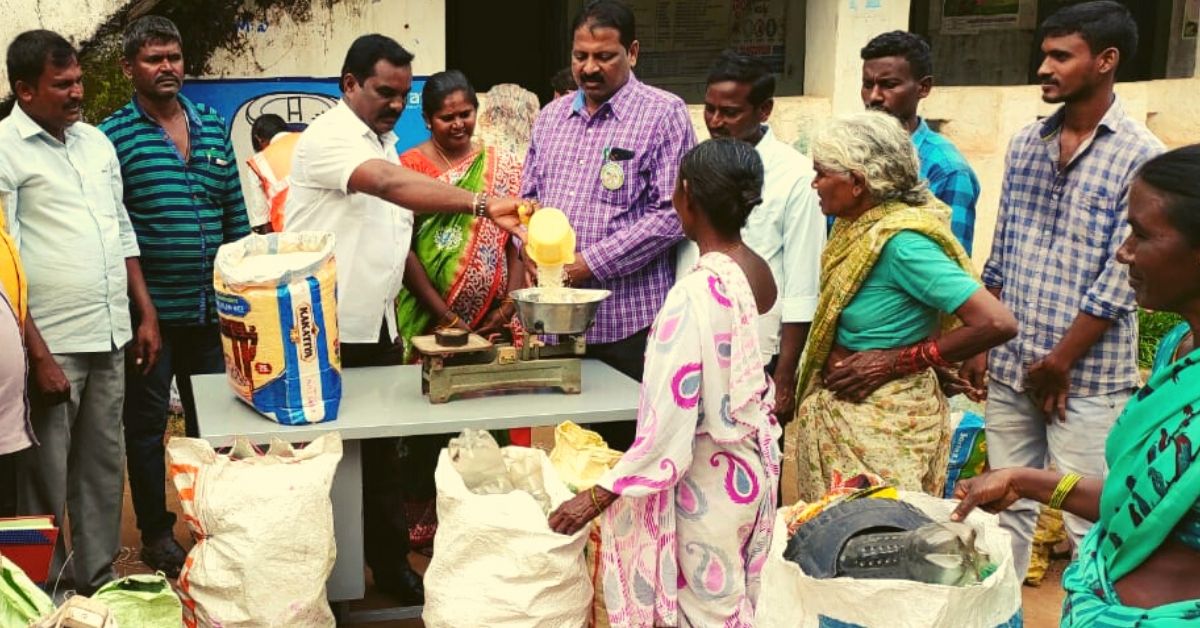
[(204, 26)]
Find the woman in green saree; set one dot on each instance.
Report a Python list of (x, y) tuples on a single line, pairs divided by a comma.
[(1174, 345), (460, 268), (1140, 564)]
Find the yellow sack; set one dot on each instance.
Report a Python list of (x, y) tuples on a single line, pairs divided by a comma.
[(1050, 532), (580, 456), (277, 303)]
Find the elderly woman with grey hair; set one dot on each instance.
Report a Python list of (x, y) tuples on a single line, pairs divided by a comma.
[(879, 353)]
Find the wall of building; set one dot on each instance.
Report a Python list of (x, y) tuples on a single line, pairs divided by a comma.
[(981, 120), (75, 20), (318, 46), (1003, 56), (836, 32)]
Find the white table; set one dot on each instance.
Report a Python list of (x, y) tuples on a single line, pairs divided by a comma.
[(384, 402)]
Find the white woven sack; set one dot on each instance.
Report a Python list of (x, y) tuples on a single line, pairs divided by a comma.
[(263, 525), (791, 599), (497, 563)]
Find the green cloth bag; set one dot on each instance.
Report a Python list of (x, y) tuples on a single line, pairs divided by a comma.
[(146, 601), (21, 601)]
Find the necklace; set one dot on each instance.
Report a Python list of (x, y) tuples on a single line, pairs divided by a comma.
[(433, 143)]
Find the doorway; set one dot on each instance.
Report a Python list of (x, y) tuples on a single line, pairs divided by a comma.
[(523, 42)]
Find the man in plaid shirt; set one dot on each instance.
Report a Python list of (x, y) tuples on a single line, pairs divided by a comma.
[(608, 157), (1056, 389), (897, 73)]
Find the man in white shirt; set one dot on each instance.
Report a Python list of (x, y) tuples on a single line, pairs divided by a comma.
[(346, 179), (62, 185), (787, 230)]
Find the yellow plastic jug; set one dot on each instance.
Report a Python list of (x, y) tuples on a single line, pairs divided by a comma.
[(551, 240)]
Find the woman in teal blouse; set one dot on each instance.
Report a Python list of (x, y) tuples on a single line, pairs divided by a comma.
[(1140, 564), (872, 376), (1174, 345)]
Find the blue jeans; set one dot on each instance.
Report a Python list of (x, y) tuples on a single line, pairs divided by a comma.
[(1019, 436), (186, 350)]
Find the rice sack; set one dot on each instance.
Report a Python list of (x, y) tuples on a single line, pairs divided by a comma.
[(277, 303)]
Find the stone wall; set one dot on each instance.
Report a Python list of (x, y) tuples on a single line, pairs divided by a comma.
[(76, 20), (318, 46)]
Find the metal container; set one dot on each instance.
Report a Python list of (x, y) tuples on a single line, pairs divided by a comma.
[(542, 316)]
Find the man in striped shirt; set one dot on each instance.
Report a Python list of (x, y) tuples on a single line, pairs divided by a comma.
[(184, 198)]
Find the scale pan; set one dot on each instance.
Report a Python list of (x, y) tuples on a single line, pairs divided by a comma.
[(557, 310)]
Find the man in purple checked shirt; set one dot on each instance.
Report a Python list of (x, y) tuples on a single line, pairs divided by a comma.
[(608, 157)]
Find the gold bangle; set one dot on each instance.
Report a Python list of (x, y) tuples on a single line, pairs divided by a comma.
[(1064, 488), (595, 502)]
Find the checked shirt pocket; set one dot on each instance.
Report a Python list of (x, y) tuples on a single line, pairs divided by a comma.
[(622, 196), (98, 185), (1090, 218)]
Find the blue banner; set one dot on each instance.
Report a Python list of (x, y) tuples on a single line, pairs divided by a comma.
[(298, 100)]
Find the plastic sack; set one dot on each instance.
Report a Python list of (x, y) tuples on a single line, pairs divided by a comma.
[(263, 525), (968, 450), (790, 599), (1050, 532), (145, 601), (80, 610), (497, 563), (276, 299), (21, 601), (525, 472), (580, 456), (486, 470), (478, 460)]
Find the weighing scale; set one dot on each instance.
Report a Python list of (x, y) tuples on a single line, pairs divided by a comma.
[(455, 362)]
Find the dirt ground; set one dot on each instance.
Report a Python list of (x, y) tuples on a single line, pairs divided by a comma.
[(1041, 604)]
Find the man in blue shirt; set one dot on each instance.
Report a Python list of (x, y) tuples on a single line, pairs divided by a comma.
[(897, 73)]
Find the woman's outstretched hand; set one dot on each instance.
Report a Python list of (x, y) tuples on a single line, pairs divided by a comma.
[(577, 512), (992, 491)]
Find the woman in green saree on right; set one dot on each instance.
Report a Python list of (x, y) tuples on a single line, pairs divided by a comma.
[(1140, 564)]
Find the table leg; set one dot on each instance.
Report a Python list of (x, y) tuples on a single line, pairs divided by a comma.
[(348, 582)]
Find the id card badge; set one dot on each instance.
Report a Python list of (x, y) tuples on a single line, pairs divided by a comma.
[(612, 176)]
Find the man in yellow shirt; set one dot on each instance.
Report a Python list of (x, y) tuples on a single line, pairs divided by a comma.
[(16, 434), (12, 277)]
